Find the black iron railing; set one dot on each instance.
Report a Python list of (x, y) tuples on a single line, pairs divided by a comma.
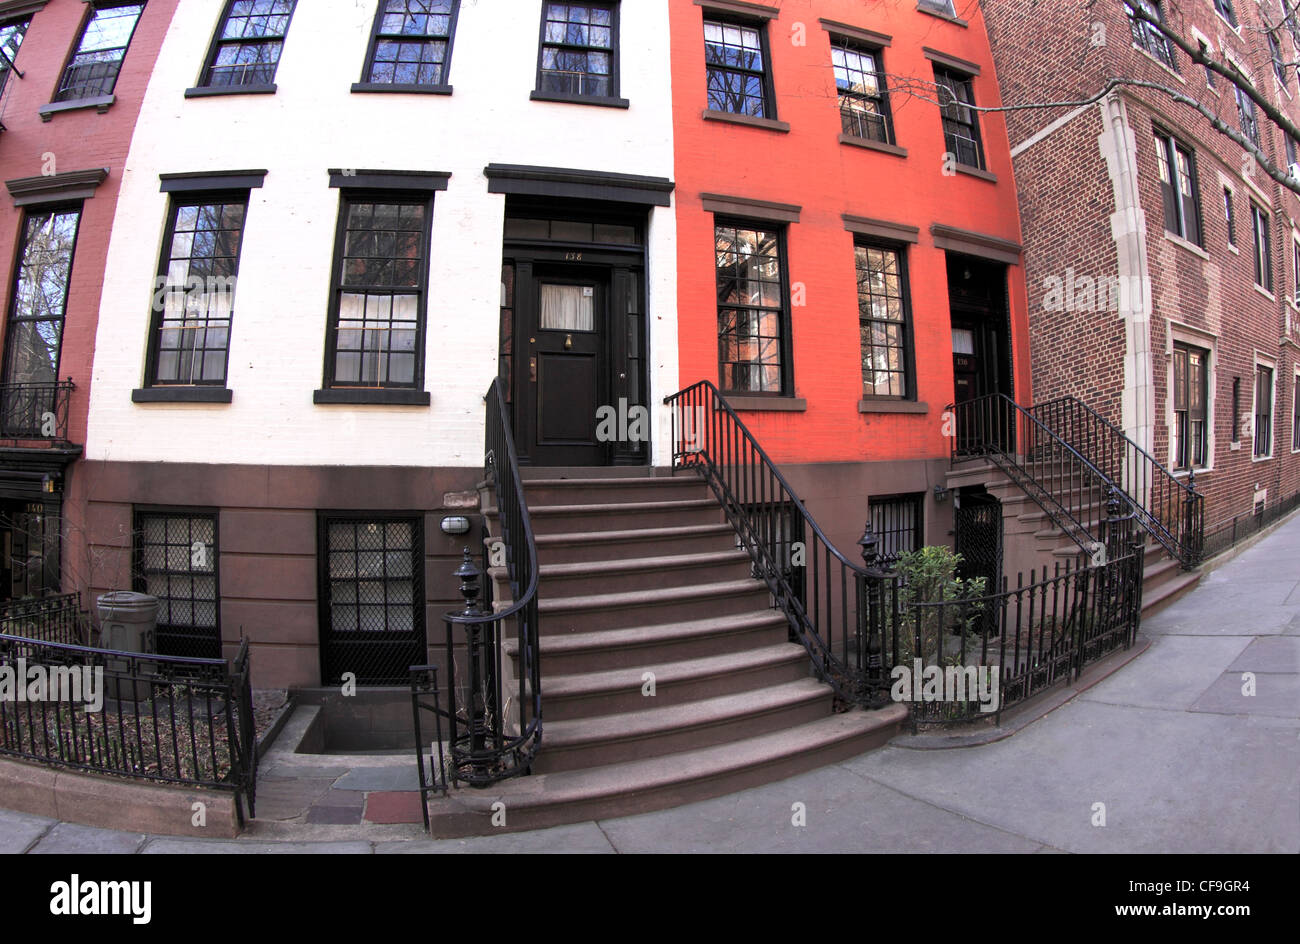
[(1227, 532), (58, 618), (35, 411), (820, 591), (1064, 483), (1170, 510), (495, 725), (160, 718)]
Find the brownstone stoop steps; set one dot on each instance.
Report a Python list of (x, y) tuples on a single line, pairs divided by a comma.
[(641, 577)]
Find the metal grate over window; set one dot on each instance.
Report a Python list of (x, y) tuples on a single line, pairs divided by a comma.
[(176, 561), (897, 521)]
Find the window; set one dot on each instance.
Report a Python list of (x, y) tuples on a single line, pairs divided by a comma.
[(195, 292), (93, 69), (1295, 415), (1263, 411), (411, 44), (579, 51), (1275, 53), (860, 82), (1263, 250), (1225, 10), (1208, 52), (380, 272), (896, 521), (11, 37), (1230, 216), (1246, 115), (247, 46), (1178, 188), (1146, 35), (961, 130), (1295, 270), (176, 561), (882, 314), (1236, 409), (946, 7), (372, 597), (752, 317), (737, 79), (1189, 438), (34, 337)]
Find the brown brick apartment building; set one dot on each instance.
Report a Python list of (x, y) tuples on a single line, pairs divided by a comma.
[(1162, 261)]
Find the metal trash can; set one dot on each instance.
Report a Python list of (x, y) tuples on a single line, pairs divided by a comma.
[(127, 621)]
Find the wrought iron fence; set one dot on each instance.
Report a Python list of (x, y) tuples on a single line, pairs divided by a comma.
[(147, 717), (1171, 510), (31, 411), (494, 731), (57, 618), (1228, 532), (963, 659)]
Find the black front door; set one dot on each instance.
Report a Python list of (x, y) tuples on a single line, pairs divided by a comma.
[(565, 310)]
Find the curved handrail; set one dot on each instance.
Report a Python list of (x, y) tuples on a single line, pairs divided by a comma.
[(486, 753)]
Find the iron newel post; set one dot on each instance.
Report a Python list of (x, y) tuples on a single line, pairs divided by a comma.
[(870, 621), (469, 575)]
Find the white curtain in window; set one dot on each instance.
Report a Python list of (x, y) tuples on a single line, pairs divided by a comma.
[(568, 308)]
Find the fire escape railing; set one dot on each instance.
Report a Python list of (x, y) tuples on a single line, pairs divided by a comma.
[(821, 592), (1170, 510), (1069, 488), (494, 730)]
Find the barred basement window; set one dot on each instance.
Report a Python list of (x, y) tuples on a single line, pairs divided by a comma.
[(579, 50), (1146, 35), (961, 130), (737, 79), (380, 277), (898, 524), (882, 314), (411, 45), (860, 82), (93, 69), (11, 37), (176, 561), (1178, 189), (1190, 406), (246, 49), (1263, 411), (752, 316), (195, 293)]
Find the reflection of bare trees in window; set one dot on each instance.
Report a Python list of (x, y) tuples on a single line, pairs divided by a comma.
[(40, 297), (750, 309), (733, 56)]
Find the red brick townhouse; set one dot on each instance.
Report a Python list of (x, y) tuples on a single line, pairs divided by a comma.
[(72, 76), (848, 250), (1163, 263)]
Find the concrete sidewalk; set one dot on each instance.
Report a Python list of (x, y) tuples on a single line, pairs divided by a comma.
[(1180, 758)]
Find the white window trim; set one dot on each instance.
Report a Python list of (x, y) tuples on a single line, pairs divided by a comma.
[(1271, 364), (1295, 409), (1179, 333)]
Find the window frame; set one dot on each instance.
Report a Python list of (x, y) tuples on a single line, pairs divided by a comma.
[(414, 392), (1261, 244), (613, 99), (1230, 216), (1247, 115), (714, 16), (786, 347), (104, 96), (1295, 410), (909, 346), (881, 98), (1181, 446), (139, 577), (1169, 150), (1145, 35), (894, 503), (205, 86), (977, 137), (442, 87), (1260, 368), (177, 201), (1276, 57), (24, 21), (1227, 13)]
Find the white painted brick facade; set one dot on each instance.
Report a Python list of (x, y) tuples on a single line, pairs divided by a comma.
[(313, 122)]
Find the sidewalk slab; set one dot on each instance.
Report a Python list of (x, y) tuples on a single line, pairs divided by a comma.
[(20, 830), (70, 838), (582, 838), (241, 847)]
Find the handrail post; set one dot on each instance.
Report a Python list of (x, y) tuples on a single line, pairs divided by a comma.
[(871, 623), (480, 689), (1189, 535)]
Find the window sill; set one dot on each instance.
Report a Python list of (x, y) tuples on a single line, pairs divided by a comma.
[(873, 145), (741, 402), (604, 101), (1187, 244), (394, 87), (940, 15), (1233, 249), (1263, 291), (892, 406), (1172, 72), (100, 103), (207, 91), (372, 395), (975, 172), (1234, 446), (770, 124), (1261, 458), (182, 395)]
